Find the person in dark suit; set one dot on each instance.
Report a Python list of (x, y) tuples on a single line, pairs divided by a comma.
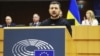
[(55, 18), (8, 22), (36, 20)]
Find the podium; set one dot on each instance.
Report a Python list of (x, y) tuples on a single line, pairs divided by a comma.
[(38, 41)]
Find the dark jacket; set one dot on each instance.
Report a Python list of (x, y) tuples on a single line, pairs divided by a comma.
[(57, 22), (11, 25)]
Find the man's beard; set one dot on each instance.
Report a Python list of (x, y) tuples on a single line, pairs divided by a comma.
[(54, 17)]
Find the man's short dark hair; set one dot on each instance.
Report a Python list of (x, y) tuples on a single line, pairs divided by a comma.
[(56, 2)]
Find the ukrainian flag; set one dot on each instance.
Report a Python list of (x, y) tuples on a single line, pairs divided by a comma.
[(73, 12)]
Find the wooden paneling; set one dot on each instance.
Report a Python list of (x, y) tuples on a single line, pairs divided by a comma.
[(87, 40), (1, 34), (1, 46), (77, 30), (94, 47), (82, 47), (1, 54), (1, 40), (70, 48), (86, 32), (94, 32), (88, 55)]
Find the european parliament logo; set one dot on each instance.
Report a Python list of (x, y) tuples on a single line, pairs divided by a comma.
[(23, 48)]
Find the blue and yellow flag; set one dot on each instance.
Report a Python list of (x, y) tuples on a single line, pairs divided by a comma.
[(73, 12)]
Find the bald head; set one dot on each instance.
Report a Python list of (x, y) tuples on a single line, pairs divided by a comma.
[(36, 17), (8, 19)]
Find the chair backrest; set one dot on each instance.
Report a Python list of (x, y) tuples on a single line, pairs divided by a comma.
[(20, 25)]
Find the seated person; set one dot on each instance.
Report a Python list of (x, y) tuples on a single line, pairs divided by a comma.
[(90, 19), (8, 22), (61, 14), (36, 19)]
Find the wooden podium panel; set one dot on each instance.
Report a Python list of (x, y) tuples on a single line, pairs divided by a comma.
[(94, 32), (1, 46), (94, 47), (79, 32), (1, 34), (86, 32), (70, 45), (88, 55), (87, 39), (82, 46), (1, 40), (1, 54)]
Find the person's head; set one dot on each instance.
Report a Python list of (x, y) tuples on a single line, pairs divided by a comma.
[(8, 19), (54, 9), (90, 14), (36, 17), (61, 14)]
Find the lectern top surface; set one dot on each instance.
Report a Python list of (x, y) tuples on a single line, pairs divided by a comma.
[(34, 27)]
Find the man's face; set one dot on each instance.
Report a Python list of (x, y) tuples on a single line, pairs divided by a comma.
[(36, 18), (54, 10), (8, 20)]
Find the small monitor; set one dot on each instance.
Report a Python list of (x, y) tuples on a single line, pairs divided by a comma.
[(98, 18), (71, 21)]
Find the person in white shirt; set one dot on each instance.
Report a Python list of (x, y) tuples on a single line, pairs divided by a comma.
[(90, 19)]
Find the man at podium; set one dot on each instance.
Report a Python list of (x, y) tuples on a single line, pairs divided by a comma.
[(55, 19)]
